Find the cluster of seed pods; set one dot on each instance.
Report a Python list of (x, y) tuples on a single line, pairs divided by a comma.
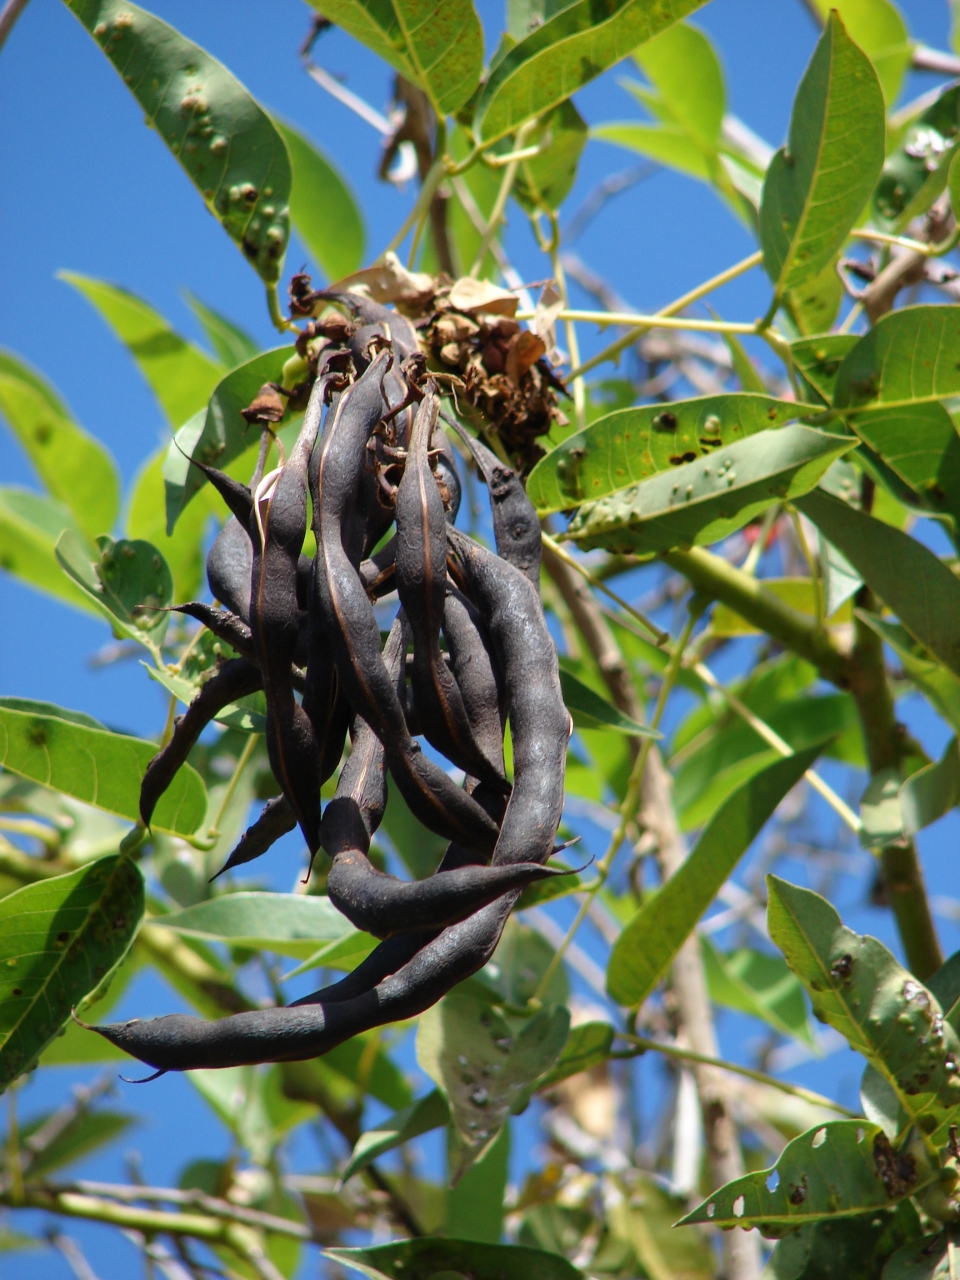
[(372, 453)]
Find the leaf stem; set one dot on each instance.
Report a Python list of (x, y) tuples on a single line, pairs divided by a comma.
[(905, 242), (242, 761), (628, 806), (503, 195), (671, 309), (660, 637), (761, 1077), (277, 317), (605, 318), (11, 12)]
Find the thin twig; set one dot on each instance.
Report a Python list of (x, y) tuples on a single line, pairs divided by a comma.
[(11, 12)]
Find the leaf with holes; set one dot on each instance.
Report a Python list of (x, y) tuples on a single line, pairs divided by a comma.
[(571, 48), (817, 185), (631, 445), (224, 140), (466, 1046), (180, 375), (907, 577), (59, 941), (94, 765), (130, 581), (323, 208), (655, 934), (701, 502), (75, 469), (910, 356), (839, 1170), (857, 986), (218, 434)]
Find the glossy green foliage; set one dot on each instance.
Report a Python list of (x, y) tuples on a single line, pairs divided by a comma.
[(60, 940), (653, 937), (570, 49), (129, 580), (433, 1256), (466, 1045), (544, 181), (760, 984), (818, 360), (147, 520), (846, 1248), (289, 926), (323, 208), (700, 502), (180, 375), (590, 711), (920, 443), (588, 1044), (856, 985), (475, 1205), (218, 434), (74, 468), (224, 140), (841, 1169), (932, 791), (908, 577), (30, 526), (427, 1113), (85, 760), (818, 183), (631, 445), (910, 356), (443, 40), (917, 170)]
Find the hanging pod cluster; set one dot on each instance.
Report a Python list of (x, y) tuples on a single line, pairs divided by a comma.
[(372, 453)]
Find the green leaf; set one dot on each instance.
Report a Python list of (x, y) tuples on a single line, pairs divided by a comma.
[(466, 1046), (375, 24), (14, 1241), (29, 528), (929, 1257), (743, 366), (934, 681), (250, 1102), (857, 986), (817, 185), (881, 821), (475, 1202), (289, 924), (433, 1258), (633, 444), (73, 1045), (86, 1132), (588, 1044), (521, 959), (701, 502), (569, 50), (126, 577), (655, 934), (323, 208), (760, 984), (813, 305), (427, 1113), (12, 366), (59, 941), (75, 469), (224, 140), (147, 520), (920, 443), (218, 434), (909, 578), (830, 1172), (798, 593), (644, 1215), (180, 375), (101, 768), (818, 360), (363, 1061), (668, 144), (682, 65), (444, 42), (910, 356), (590, 711), (932, 791), (545, 181), (232, 344), (879, 30), (918, 168)]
